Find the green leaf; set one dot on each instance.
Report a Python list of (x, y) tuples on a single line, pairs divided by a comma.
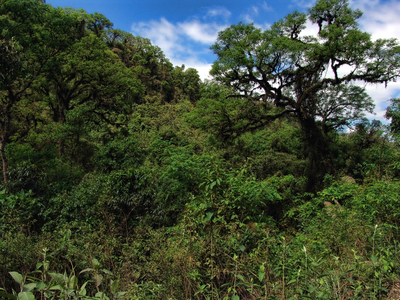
[(84, 285), (235, 297), (240, 277), (212, 185), (29, 287), (261, 275), (9, 296), (86, 270), (40, 286), (119, 294), (209, 216), (114, 286), (72, 282), (261, 272), (17, 277), (95, 263), (26, 296), (101, 295), (58, 278), (106, 271), (82, 292), (242, 248)]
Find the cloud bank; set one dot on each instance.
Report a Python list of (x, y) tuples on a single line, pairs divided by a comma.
[(381, 19), (186, 42)]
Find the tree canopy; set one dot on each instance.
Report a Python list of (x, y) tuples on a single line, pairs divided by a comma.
[(308, 76)]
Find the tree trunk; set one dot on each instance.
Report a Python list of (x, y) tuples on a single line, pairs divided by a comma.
[(4, 161), (318, 154), (61, 119), (5, 135)]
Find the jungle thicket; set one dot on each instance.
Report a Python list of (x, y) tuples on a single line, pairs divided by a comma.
[(126, 177)]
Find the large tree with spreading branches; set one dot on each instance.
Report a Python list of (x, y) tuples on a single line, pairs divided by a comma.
[(281, 71)]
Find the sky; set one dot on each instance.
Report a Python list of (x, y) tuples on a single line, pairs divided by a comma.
[(185, 29)]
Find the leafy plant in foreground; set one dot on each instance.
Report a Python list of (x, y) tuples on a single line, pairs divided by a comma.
[(50, 285)]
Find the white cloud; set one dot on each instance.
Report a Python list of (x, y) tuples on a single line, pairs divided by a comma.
[(253, 11), (302, 3), (265, 26), (183, 42), (381, 94), (172, 38), (162, 33), (247, 18), (218, 11), (311, 29), (266, 7), (381, 19), (205, 33), (203, 68)]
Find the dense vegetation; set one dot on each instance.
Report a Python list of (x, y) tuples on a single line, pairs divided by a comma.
[(124, 173)]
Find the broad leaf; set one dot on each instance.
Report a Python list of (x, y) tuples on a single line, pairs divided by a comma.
[(101, 295), (29, 287), (98, 279), (96, 264), (119, 294), (40, 286), (58, 278), (107, 272), (26, 296), (114, 286), (17, 277), (72, 282)]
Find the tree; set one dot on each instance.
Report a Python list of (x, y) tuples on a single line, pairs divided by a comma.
[(146, 61), (342, 106), (32, 33), (283, 72), (393, 114), (88, 77), (186, 83)]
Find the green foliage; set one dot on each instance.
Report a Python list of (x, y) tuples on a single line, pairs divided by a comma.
[(60, 286), (128, 196), (18, 208), (118, 154), (76, 204), (392, 113), (378, 202), (144, 179)]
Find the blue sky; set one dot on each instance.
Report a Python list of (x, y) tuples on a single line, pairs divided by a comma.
[(185, 29)]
